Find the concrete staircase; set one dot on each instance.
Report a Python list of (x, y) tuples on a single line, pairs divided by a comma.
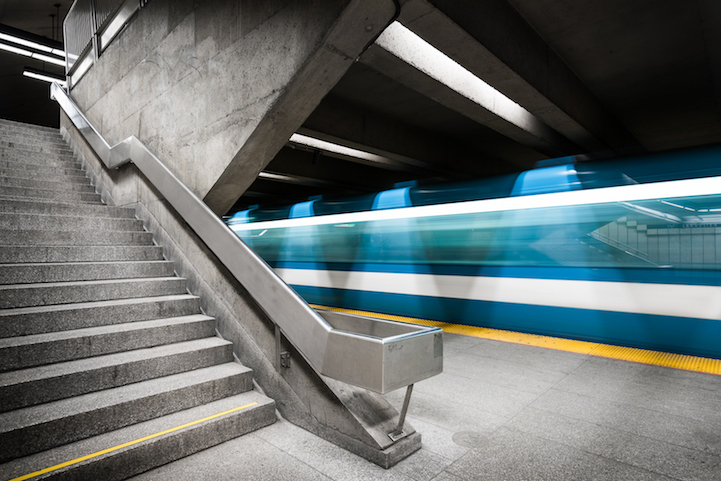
[(101, 345)]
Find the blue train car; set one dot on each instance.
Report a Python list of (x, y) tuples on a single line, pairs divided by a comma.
[(623, 252)]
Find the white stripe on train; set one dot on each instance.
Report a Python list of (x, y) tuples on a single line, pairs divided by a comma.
[(678, 300)]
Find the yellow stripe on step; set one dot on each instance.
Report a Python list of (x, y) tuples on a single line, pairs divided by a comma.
[(130, 443)]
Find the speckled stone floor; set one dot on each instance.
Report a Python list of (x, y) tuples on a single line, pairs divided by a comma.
[(509, 412)]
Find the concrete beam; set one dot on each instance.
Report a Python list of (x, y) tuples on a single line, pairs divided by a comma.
[(312, 76), (277, 192), (216, 88), (340, 174), (528, 131), (493, 41), (423, 152), (251, 197)]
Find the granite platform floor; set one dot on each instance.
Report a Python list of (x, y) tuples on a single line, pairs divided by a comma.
[(504, 411)]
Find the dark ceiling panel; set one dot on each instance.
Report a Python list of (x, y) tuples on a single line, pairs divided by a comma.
[(653, 63), (25, 99)]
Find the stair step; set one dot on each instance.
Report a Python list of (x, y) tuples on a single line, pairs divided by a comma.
[(35, 157), (74, 238), (53, 293), (10, 133), (22, 177), (36, 148), (25, 137), (51, 160), (43, 194), (72, 209), (24, 321), (24, 140), (9, 168), (46, 147), (30, 128), (38, 428), (119, 464), (41, 349), (20, 254), (28, 221), (40, 147), (39, 385), (54, 185), (31, 273), (22, 137), (22, 163), (54, 159)]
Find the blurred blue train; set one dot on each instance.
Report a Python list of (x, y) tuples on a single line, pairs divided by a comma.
[(623, 252)]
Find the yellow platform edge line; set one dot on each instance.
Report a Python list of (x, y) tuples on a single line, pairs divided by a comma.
[(135, 441), (630, 354)]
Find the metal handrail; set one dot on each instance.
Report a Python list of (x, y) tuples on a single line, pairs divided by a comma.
[(304, 327), (338, 346)]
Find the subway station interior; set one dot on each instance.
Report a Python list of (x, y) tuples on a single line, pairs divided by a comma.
[(360, 239)]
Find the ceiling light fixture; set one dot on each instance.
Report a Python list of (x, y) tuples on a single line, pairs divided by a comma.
[(16, 50), (46, 58), (335, 148), (26, 43), (412, 49), (44, 76), (14, 39), (278, 177)]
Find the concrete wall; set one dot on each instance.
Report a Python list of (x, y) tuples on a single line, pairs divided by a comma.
[(215, 88)]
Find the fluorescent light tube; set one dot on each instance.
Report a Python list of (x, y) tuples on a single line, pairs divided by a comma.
[(46, 78), (336, 148), (45, 58), (36, 46), (26, 43), (412, 49), (278, 177), (16, 50)]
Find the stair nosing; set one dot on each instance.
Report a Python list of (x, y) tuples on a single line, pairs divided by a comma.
[(50, 285), (65, 368), (49, 337), (14, 311), (121, 436), (43, 216), (45, 413), (83, 263)]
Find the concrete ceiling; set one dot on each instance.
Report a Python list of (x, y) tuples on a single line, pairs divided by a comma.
[(24, 99), (605, 79), (613, 78), (656, 65)]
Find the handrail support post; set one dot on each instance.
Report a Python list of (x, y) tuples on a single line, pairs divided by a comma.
[(399, 433), (282, 358)]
